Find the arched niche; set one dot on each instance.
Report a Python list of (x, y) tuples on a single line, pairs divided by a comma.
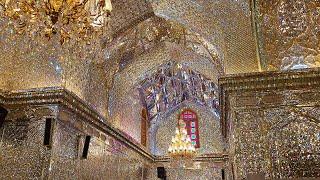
[(124, 101), (148, 63), (162, 129)]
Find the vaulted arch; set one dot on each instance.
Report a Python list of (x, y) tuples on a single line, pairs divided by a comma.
[(162, 129), (125, 98)]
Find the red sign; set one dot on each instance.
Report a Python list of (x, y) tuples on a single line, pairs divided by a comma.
[(192, 126)]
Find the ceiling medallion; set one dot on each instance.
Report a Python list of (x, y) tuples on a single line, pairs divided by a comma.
[(70, 19)]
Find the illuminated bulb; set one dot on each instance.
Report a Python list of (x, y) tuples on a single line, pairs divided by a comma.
[(16, 9), (184, 131), (177, 131)]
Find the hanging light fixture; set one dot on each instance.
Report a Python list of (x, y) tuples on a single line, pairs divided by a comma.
[(71, 19), (181, 146)]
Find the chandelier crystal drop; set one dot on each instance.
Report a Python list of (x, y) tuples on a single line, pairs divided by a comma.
[(70, 19), (181, 146)]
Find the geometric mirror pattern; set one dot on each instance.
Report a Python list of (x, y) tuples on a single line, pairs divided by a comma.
[(174, 83)]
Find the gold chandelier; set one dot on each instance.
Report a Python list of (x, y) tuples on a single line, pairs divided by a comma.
[(70, 19), (181, 146)]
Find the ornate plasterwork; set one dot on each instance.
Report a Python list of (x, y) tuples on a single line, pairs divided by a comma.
[(87, 70), (266, 81), (288, 33), (24, 156), (136, 52), (276, 142), (64, 105), (271, 124), (127, 80), (226, 24), (146, 35), (21, 148), (128, 13), (65, 98), (173, 84), (297, 156), (28, 63)]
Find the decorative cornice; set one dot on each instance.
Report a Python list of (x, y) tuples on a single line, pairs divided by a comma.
[(270, 80), (263, 81), (201, 158), (61, 96)]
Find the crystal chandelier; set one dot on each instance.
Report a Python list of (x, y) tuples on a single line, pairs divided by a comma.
[(70, 19), (181, 146)]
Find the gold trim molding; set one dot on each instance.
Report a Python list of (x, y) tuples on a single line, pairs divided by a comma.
[(266, 82), (200, 158)]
